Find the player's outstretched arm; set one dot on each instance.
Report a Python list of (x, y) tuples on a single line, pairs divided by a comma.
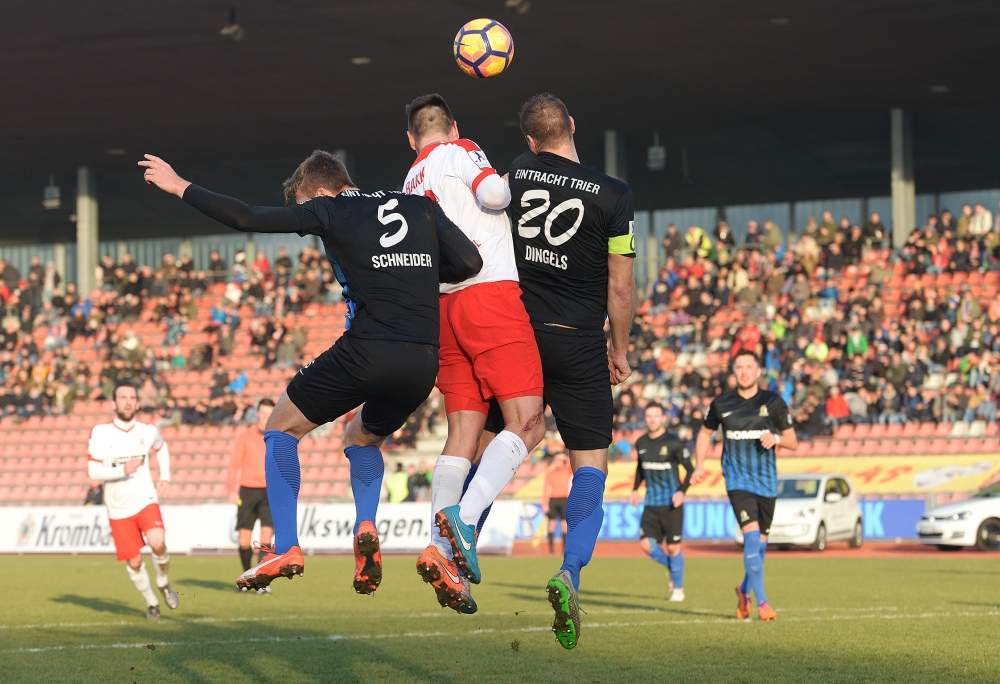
[(621, 304), (459, 259), (226, 210)]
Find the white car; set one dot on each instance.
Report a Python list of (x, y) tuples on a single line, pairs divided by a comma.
[(813, 509), (973, 522)]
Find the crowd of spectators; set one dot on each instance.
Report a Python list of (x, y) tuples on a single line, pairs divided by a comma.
[(44, 326), (835, 340), (838, 349)]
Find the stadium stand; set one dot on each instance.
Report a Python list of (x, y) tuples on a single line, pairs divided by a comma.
[(877, 351)]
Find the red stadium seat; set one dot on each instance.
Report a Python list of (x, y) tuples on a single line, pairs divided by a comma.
[(844, 431)]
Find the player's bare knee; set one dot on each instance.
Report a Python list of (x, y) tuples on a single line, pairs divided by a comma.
[(287, 418), (644, 544), (673, 549)]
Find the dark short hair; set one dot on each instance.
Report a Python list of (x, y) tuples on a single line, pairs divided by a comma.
[(656, 405), (545, 118), (118, 386), (265, 402), (320, 170), (428, 114), (746, 352)]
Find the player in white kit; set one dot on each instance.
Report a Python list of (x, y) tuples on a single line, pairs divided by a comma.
[(119, 454), (488, 350)]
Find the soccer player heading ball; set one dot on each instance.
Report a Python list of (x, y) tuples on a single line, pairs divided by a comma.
[(390, 252), (754, 424), (575, 248), (119, 454), (487, 350)]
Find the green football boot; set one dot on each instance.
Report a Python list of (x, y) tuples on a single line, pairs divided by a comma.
[(563, 599)]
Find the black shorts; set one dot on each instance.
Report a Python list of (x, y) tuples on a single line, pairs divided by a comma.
[(577, 385), (253, 507), (557, 508), (662, 524), (391, 378), (750, 507)]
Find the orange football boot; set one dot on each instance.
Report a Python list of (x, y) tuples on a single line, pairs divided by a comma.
[(367, 559), (271, 567), (742, 604), (766, 612), (451, 588)]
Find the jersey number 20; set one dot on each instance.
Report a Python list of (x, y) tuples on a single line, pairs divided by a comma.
[(529, 232), (385, 219)]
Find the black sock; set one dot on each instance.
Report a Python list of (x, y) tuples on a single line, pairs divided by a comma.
[(245, 556), (552, 541)]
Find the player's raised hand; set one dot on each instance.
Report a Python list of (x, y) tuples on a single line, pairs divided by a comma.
[(620, 370), (162, 488), (162, 175)]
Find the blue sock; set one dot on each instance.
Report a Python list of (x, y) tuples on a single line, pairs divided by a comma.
[(745, 587), (658, 554), (584, 515), (367, 469), (754, 565), (677, 570), (486, 513), (281, 470)]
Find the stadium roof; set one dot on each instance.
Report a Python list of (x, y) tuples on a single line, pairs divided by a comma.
[(773, 100)]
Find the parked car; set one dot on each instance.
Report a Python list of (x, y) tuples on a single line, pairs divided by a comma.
[(813, 509), (973, 522)]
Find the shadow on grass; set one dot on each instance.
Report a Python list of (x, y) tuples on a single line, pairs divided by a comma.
[(98, 604), (951, 571), (228, 587)]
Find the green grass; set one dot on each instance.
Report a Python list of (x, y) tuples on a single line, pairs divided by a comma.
[(841, 620)]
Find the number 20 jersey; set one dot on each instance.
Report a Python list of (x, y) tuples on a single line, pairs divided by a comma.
[(566, 219)]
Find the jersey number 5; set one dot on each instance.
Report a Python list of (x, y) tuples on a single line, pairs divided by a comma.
[(388, 240), (529, 232)]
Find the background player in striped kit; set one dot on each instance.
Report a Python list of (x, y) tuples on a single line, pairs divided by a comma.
[(660, 453), (754, 423)]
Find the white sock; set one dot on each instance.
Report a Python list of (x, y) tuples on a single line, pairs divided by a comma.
[(162, 565), (141, 581), (446, 490), (500, 461)]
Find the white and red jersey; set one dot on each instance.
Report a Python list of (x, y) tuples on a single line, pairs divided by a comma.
[(111, 445), (459, 177)]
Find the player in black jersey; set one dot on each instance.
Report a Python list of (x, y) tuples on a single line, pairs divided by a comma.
[(574, 246), (754, 424), (660, 456), (389, 251)]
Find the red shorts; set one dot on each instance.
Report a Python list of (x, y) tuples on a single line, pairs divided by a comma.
[(488, 347), (127, 532)]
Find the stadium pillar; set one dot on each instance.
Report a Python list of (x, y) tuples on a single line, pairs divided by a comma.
[(614, 155), (904, 210), (86, 230)]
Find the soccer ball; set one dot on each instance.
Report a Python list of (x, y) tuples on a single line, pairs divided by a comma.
[(483, 48)]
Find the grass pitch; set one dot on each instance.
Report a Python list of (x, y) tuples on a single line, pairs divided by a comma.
[(67, 619)]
